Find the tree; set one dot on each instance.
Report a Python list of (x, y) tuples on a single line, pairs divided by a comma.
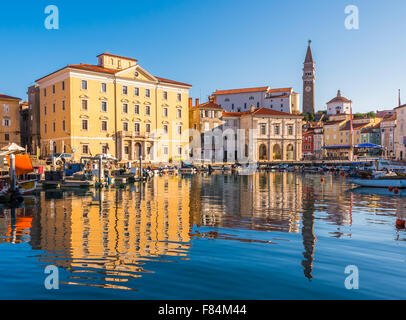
[(308, 117)]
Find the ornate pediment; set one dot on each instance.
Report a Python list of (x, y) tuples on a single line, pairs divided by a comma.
[(136, 72)]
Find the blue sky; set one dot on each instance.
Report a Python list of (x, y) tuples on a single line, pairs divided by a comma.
[(217, 44)]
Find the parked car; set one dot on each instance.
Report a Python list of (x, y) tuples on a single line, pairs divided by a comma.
[(60, 158)]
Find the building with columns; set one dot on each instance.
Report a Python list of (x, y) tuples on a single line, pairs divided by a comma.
[(114, 107), (263, 135)]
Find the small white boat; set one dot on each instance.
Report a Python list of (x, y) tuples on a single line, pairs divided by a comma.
[(246, 170), (77, 183), (383, 182)]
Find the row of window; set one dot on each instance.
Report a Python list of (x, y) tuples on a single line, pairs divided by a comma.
[(125, 91), (210, 114), (104, 126), (103, 88), (125, 108), (276, 129), (334, 137), (54, 107), (54, 88), (54, 126)]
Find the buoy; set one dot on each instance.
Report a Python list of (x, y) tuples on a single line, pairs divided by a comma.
[(396, 191), (390, 189), (342, 173), (400, 224), (322, 179), (347, 175)]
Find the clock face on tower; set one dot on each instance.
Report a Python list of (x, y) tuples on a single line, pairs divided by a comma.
[(308, 88)]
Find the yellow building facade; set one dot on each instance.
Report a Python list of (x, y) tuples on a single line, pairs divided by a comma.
[(115, 107), (337, 133), (10, 120)]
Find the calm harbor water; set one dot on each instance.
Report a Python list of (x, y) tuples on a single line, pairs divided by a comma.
[(265, 236)]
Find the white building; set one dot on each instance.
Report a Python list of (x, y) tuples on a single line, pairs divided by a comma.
[(339, 105), (240, 100), (400, 132)]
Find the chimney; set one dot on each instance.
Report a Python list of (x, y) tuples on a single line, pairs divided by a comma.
[(190, 102), (339, 93), (213, 99), (197, 102), (252, 108)]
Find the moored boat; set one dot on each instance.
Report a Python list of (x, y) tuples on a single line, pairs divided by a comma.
[(382, 182), (27, 186)]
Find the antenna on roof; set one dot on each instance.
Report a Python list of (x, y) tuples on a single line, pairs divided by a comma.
[(399, 98)]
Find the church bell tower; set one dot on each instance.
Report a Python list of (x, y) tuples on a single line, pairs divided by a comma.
[(308, 82)]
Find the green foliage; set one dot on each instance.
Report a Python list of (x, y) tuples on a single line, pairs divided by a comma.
[(308, 117), (370, 114)]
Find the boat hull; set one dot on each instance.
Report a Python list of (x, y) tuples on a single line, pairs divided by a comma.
[(380, 183)]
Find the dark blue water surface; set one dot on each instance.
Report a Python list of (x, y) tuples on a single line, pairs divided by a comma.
[(264, 236)]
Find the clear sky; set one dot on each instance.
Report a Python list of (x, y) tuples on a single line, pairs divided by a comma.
[(217, 44)]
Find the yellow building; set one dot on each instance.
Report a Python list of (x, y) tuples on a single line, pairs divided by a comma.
[(204, 118), (337, 133), (10, 120), (115, 107)]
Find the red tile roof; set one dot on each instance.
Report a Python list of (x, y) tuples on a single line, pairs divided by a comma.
[(90, 67), (389, 117), (6, 97), (333, 122), (280, 90), (233, 114), (246, 90), (310, 131), (339, 99), (209, 104), (355, 126), (113, 55), (172, 82), (270, 112)]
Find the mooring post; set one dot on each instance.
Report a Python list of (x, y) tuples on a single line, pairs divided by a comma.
[(100, 169), (13, 172), (140, 166)]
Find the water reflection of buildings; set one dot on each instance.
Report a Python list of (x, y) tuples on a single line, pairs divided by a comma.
[(114, 232), (268, 201)]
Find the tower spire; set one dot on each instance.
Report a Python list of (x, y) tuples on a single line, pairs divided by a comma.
[(309, 56), (308, 81)]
